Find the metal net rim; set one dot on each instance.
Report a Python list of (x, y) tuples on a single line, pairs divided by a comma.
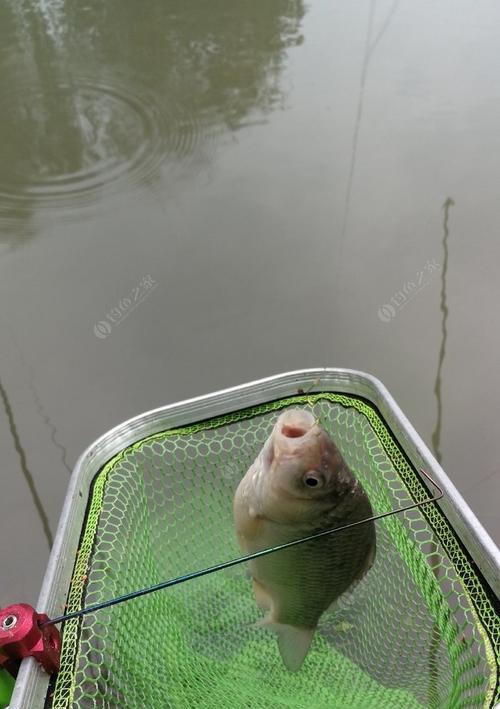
[(486, 619)]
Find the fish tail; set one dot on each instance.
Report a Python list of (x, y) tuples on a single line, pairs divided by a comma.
[(294, 642)]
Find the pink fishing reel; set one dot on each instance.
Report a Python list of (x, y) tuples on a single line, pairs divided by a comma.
[(21, 635)]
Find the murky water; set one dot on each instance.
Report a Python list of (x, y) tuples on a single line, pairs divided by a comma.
[(194, 195)]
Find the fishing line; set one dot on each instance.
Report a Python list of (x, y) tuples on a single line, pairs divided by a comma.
[(239, 560)]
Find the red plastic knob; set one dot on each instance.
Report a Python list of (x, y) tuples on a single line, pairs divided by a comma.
[(21, 636)]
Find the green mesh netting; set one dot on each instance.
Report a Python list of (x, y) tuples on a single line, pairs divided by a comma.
[(418, 631)]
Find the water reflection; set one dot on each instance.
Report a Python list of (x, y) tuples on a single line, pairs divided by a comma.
[(100, 98), (40, 409), (28, 476), (436, 436), (370, 45)]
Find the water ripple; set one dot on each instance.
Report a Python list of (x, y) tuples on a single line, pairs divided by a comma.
[(63, 145)]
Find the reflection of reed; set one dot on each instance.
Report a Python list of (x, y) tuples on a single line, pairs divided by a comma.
[(24, 466), (433, 694), (370, 47), (48, 422), (384, 27), (40, 409), (436, 436), (357, 122)]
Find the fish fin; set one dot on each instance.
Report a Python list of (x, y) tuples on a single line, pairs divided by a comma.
[(262, 597), (293, 641), (370, 558), (368, 562), (248, 528)]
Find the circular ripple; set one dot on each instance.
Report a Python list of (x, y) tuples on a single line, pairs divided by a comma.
[(63, 145)]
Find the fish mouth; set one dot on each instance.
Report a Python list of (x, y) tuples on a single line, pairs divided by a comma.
[(293, 431), (296, 423)]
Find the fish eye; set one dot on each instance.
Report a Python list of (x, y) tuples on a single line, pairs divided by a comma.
[(312, 479)]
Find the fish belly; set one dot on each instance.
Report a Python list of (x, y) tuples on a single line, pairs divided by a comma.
[(303, 581)]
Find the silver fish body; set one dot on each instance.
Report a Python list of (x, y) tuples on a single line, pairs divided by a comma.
[(299, 484)]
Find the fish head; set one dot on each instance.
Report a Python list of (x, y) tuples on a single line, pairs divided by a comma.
[(304, 463)]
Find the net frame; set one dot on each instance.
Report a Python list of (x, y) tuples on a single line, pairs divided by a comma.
[(355, 383)]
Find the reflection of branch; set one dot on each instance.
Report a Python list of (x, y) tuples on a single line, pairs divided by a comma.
[(24, 466), (384, 27), (357, 122), (370, 47), (436, 436), (46, 419), (40, 409), (434, 560)]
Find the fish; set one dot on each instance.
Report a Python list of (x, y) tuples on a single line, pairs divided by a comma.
[(298, 485)]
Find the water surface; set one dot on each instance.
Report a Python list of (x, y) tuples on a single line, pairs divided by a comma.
[(194, 195)]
